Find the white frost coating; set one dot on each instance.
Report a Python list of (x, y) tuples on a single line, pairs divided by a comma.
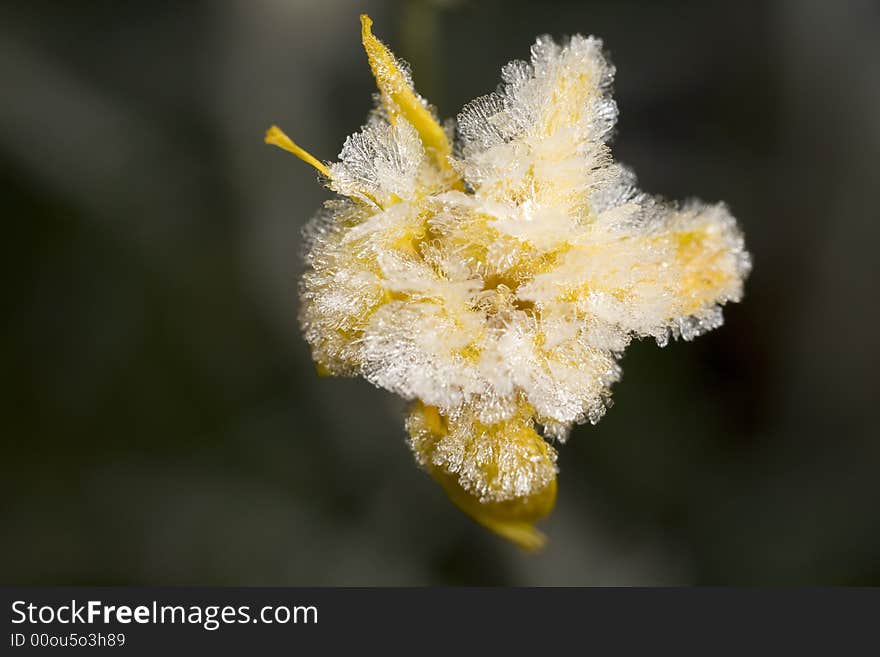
[(510, 297), (382, 163)]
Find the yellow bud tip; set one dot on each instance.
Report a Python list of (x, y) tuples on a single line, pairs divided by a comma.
[(275, 136), (521, 534), (366, 24), (513, 519), (400, 98)]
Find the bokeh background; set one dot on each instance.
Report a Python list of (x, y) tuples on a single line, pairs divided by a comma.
[(161, 419)]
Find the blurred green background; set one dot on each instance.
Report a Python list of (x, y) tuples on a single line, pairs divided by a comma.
[(162, 421)]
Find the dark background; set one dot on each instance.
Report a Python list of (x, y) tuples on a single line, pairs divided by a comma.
[(162, 421)]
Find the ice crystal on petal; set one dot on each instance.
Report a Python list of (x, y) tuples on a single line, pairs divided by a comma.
[(497, 283)]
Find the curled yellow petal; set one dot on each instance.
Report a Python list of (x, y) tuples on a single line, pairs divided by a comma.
[(507, 451), (512, 519), (400, 98), (276, 137)]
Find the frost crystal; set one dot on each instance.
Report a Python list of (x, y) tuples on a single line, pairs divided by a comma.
[(497, 283)]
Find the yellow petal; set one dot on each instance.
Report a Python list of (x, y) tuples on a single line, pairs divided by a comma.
[(512, 517), (276, 137), (705, 258), (401, 99)]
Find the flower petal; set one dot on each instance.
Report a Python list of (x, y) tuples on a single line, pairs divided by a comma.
[(400, 98), (502, 475)]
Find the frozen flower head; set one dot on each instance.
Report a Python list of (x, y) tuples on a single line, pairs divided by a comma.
[(493, 270)]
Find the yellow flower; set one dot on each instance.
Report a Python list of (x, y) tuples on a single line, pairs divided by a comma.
[(496, 283)]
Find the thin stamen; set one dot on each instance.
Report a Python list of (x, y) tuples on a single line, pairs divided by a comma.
[(276, 137)]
